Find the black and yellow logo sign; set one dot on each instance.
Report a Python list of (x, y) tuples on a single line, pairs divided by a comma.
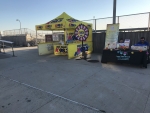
[(72, 25), (39, 27), (72, 20), (58, 25), (48, 26), (55, 20)]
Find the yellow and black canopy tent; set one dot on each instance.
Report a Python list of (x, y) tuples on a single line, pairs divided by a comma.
[(77, 30), (62, 22)]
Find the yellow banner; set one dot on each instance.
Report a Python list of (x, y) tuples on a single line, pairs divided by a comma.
[(60, 50), (75, 50)]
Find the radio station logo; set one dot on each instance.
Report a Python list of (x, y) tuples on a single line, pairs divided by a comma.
[(72, 20), (72, 25), (122, 55), (58, 25), (39, 27), (48, 26), (55, 20), (61, 49)]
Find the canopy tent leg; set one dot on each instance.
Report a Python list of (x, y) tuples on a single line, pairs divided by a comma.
[(65, 37), (52, 34)]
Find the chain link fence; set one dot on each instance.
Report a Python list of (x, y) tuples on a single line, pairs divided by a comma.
[(18, 32), (23, 31), (140, 20), (132, 21)]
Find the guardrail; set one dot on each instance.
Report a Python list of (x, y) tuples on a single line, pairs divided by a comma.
[(3, 45)]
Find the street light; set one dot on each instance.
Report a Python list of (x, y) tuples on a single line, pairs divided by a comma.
[(20, 24)]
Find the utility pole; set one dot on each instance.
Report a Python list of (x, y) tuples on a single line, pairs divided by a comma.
[(114, 11)]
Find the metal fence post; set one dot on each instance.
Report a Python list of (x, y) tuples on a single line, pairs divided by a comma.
[(149, 22), (36, 38), (95, 25), (93, 29), (118, 19)]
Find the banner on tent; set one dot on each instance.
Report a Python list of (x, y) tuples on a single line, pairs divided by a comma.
[(60, 50), (45, 48), (75, 49), (80, 49)]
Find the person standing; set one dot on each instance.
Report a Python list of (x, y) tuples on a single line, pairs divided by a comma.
[(142, 42)]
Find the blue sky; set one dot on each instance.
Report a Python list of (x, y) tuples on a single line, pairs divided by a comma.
[(34, 12)]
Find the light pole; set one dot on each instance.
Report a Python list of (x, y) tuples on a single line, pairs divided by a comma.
[(20, 25)]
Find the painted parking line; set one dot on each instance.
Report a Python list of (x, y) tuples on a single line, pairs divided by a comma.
[(27, 85)]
